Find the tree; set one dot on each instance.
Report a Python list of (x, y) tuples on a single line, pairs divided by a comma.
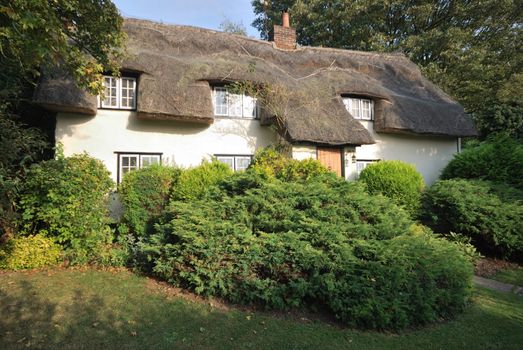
[(229, 26), (83, 37), (472, 49)]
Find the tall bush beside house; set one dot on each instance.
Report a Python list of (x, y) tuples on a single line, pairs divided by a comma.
[(474, 209), (397, 180), (144, 194), (194, 182), (66, 198), (499, 159)]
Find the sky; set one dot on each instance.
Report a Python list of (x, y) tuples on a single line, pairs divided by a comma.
[(199, 13)]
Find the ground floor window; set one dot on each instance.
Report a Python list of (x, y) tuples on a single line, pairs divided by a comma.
[(235, 162), (363, 163), (128, 161)]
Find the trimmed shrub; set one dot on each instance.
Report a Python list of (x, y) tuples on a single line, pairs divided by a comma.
[(499, 159), (144, 194), (271, 162), (473, 209), (66, 198), (396, 180), (29, 252), (408, 280), (284, 244), (193, 183)]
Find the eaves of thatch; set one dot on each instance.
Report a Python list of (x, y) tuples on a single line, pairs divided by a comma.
[(179, 64)]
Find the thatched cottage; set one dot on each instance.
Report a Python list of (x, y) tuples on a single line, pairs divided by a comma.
[(173, 104)]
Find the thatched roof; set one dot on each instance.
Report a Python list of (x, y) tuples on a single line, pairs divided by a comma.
[(179, 63)]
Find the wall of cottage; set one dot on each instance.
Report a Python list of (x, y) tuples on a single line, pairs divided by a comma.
[(181, 144), (429, 154), (186, 145)]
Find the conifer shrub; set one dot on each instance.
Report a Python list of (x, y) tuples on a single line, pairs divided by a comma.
[(474, 209), (281, 244), (29, 252), (66, 199), (144, 194), (498, 159), (396, 180)]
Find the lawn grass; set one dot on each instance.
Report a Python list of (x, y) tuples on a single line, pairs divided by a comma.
[(510, 275), (88, 309)]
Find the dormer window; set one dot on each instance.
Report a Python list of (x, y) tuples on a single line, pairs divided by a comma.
[(227, 104), (120, 93), (359, 108)]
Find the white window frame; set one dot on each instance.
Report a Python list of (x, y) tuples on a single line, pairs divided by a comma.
[(356, 103), (234, 158), (228, 104), (365, 163), (119, 88), (139, 163)]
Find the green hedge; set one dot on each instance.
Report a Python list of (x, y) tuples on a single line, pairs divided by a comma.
[(293, 244), (194, 182), (397, 180), (29, 252), (476, 210), (271, 162), (66, 198), (144, 194), (499, 159)]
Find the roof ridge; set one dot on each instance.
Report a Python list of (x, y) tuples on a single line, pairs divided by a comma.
[(390, 56)]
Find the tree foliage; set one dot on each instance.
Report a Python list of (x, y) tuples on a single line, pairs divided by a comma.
[(472, 49), (229, 26), (83, 36)]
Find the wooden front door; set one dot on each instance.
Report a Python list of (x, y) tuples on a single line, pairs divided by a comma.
[(331, 158)]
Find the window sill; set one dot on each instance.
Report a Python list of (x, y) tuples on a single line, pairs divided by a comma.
[(235, 118)]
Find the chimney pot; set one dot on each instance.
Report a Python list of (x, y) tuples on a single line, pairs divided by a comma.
[(285, 19)]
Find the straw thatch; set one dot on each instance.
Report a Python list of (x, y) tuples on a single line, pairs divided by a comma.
[(180, 63)]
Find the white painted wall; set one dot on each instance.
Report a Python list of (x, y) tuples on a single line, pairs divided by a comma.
[(429, 154), (182, 144), (186, 145)]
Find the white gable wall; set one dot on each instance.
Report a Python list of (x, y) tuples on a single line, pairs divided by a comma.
[(181, 144)]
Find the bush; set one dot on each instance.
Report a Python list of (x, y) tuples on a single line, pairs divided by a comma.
[(405, 281), (194, 182), (473, 209), (273, 163), (499, 159), (144, 194), (397, 180), (66, 198), (29, 252), (285, 244)]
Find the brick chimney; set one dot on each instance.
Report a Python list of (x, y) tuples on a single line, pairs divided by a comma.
[(284, 36)]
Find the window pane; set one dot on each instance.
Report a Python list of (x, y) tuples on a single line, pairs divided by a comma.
[(227, 160), (150, 160), (242, 163), (128, 92), (110, 92), (249, 107), (355, 108), (235, 105), (220, 101)]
